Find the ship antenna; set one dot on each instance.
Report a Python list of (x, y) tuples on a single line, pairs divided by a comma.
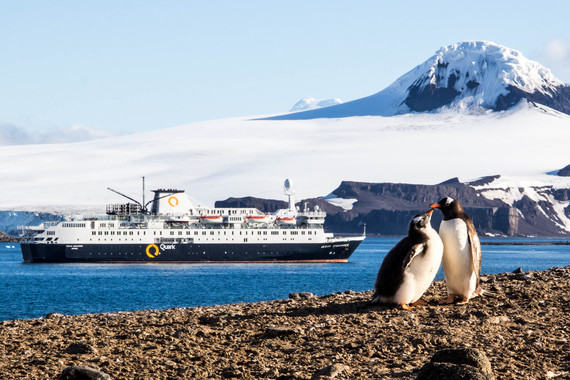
[(143, 194)]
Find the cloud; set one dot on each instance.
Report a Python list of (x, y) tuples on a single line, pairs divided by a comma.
[(14, 135), (556, 55)]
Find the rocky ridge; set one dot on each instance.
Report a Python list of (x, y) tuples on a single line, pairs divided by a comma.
[(386, 208), (521, 327)]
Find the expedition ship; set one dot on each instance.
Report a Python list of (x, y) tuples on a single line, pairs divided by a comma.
[(179, 229)]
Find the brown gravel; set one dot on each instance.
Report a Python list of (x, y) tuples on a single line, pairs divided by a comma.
[(523, 328)]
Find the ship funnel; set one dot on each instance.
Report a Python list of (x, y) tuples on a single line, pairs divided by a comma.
[(172, 202)]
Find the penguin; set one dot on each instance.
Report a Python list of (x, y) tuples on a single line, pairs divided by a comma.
[(461, 252), (410, 266)]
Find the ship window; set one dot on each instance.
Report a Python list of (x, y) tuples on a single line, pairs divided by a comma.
[(302, 232)]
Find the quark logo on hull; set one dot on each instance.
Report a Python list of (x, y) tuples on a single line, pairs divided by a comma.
[(152, 250)]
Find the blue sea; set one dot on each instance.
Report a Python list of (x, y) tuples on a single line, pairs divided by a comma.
[(34, 290)]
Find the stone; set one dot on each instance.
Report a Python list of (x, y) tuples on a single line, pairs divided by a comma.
[(53, 315), (83, 373), (331, 371), (462, 363), (302, 296), (497, 320), (79, 348), (448, 371)]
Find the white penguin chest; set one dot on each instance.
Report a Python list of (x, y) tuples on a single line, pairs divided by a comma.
[(456, 247), (427, 264)]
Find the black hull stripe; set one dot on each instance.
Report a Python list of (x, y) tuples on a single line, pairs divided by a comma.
[(339, 251)]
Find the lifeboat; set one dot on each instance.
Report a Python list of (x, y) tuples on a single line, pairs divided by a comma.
[(211, 219), (286, 221), (253, 219)]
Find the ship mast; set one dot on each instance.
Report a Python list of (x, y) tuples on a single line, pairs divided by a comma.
[(143, 193)]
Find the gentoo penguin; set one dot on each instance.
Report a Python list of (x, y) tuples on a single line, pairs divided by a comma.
[(461, 252), (410, 266)]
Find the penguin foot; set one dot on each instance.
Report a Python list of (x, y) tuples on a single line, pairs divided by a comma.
[(405, 306), (419, 302), (450, 298), (463, 301)]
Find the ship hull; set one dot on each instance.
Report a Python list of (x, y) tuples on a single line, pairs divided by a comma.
[(337, 251)]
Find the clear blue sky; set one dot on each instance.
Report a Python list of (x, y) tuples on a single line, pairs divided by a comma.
[(129, 66)]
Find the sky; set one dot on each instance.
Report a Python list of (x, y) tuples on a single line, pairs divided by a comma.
[(122, 67)]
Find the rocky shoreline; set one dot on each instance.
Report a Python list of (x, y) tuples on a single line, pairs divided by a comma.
[(522, 326)]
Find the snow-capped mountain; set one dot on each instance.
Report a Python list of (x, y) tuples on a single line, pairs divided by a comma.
[(474, 75), (309, 103)]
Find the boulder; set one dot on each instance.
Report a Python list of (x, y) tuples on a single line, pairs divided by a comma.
[(462, 363), (302, 296), (83, 373), (79, 348)]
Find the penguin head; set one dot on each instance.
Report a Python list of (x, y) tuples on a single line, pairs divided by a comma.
[(449, 207), (420, 221)]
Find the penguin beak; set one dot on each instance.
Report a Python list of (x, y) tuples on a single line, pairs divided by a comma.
[(430, 211), (435, 205)]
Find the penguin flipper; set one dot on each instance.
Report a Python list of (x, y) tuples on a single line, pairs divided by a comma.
[(475, 249), (415, 250)]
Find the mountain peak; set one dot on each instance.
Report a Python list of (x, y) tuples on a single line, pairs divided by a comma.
[(309, 103), (477, 74), (468, 76)]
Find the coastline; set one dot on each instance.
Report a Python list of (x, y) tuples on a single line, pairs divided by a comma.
[(522, 327)]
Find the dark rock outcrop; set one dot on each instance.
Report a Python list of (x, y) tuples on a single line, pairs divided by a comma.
[(564, 172), (387, 208)]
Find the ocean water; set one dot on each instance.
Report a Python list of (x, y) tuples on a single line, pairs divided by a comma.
[(34, 290)]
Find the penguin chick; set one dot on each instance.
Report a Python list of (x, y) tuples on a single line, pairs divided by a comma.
[(411, 265), (461, 252)]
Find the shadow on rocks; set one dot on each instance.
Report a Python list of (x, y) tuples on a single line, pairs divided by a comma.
[(332, 307)]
